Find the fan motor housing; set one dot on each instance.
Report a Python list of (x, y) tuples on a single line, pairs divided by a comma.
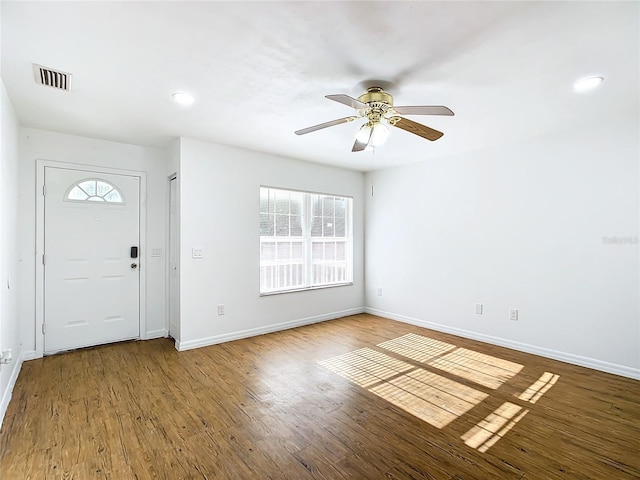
[(377, 95)]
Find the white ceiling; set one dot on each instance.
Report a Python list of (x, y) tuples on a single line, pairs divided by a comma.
[(260, 70)]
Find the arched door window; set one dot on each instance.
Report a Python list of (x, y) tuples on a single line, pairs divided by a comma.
[(93, 190)]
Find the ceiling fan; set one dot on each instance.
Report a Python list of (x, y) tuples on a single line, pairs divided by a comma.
[(377, 107)]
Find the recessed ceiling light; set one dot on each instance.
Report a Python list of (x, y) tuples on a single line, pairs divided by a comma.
[(183, 98), (586, 84)]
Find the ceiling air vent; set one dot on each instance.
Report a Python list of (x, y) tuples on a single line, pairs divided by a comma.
[(52, 78)]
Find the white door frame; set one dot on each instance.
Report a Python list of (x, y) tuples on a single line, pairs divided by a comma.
[(40, 167), (170, 178)]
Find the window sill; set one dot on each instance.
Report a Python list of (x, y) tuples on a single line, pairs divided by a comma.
[(305, 289)]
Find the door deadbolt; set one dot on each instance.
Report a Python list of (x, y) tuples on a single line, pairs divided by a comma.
[(134, 265)]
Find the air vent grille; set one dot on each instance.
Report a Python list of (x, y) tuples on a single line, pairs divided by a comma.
[(52, 78)]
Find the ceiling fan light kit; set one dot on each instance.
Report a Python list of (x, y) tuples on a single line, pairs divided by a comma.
[(376, 106)]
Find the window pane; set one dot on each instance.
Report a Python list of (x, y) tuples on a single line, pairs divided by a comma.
[(266, 225), (339, 227), (341, 251), (268, 251), (327, 207), (295, 225), (264, 200), (317, 251), (282, 225), (297, 251), (77, 193), (284, 250), (316, 227), (327, 228), (282, 202), (89, 186), (340, 207), (316, 205), (297, 203), (330, 251), (113, 197), (103, 188)]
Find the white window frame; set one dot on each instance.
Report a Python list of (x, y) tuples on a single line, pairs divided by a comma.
[(307, 240)]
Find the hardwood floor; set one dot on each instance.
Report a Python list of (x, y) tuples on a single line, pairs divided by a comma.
[(355, 398)]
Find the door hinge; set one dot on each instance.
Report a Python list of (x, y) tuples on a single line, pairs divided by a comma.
[(44, 190), (43, 329), (44, 259)]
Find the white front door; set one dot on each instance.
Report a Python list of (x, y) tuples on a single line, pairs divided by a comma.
[(91, 272)]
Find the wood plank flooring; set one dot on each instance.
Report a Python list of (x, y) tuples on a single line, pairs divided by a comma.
[(360, 397)]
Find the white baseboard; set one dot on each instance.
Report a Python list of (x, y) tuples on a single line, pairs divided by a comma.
[(276, 327), (30, 355), (155, 334), (593, 363), (6, 395)]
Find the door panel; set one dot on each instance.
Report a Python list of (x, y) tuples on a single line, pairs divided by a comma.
[(91, 291)]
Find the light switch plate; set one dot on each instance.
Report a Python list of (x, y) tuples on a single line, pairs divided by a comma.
[(197, 253)]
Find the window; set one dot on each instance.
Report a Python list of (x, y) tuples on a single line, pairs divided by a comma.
[(93, 190), (305, 240)]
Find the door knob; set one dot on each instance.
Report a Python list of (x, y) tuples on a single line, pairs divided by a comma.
[(134, 265)]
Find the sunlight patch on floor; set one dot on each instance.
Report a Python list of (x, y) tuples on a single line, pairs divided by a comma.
[(539, 387), (417, 347), (495, 426), (482, 369), (430, 397), (366, 367), (433, 398)]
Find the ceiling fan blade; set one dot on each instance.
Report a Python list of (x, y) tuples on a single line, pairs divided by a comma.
[(415, 128), (347, 100), (426, 110), (325, 125)]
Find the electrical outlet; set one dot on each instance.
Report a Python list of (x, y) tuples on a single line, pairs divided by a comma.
[(5, 357), (513, 314), (479, 308), (220, 309), (380, 291)]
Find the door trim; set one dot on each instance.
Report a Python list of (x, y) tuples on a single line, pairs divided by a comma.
[(39, 273), (170, 178)]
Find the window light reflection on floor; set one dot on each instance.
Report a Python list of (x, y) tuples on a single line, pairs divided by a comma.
[(417, 347), (488, 431), (482, 369), (430, 397), (539, 388), (433, 398), (366, 367)]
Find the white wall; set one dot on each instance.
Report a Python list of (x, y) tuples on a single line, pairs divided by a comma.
[(9, 325), (219, 200), (519, 226), (44, 145)]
